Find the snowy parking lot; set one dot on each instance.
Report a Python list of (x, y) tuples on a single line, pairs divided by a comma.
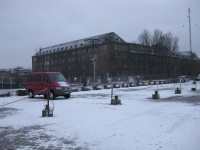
[(87, 120)]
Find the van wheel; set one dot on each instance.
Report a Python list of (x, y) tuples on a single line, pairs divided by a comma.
[(51, 95), (30, 94), (67, 96)]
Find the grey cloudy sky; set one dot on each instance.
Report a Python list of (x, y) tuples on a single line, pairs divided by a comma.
[(27, 25)]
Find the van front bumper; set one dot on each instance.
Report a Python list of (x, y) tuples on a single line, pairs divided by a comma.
[(63, 91)]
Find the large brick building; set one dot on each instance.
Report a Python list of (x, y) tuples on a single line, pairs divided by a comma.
[(108, 55)]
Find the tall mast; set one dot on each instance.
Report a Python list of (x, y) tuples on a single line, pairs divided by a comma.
[(190, 34)]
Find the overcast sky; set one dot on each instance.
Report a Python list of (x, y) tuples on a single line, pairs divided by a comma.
[(27, 25)]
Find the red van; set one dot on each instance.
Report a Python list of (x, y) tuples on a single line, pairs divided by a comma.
[(38, 83)]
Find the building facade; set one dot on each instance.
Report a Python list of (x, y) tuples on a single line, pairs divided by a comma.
[(13, 78), (108, 55)]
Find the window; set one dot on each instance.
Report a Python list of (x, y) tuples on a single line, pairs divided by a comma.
[(57, 77), (45, 78), (33, 78), (83, 58), (90, 49), (95, 49), (115, 46), (93, 57)]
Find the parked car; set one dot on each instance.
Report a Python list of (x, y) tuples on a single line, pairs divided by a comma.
[(184, 78), (198, 77), (50, 84)]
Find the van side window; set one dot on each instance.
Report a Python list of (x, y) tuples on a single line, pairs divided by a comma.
[(45, 78), (34, 78)]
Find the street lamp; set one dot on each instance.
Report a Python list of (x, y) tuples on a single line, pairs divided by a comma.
[(94, 65), (2, 82)]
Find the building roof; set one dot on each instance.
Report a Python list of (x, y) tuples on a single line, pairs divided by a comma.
[(98, 39), (113, 37), (188, 54)]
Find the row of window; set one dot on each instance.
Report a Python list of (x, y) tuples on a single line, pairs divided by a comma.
[(120, 47), (55, 51), (58, 49), (68, 68)]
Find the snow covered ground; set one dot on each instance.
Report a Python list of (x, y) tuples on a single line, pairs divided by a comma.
[(88, 121)]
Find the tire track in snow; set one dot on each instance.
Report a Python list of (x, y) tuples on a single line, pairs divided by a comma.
[(147, 112), (178, 123)]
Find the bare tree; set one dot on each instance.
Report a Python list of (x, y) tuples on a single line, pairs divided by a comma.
[(159, 38), (171, 42), (145, 38), (168, 40), (175, 46)]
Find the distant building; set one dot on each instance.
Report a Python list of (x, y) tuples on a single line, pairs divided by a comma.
[(13, 78), (108, 55)]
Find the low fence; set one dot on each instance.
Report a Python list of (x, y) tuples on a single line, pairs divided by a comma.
[(117, 84), (118, 80)]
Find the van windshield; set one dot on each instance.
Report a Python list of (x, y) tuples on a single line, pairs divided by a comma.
[(57, 77)]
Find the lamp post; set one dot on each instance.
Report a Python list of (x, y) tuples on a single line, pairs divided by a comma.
[(93, 42), (2, 82), (190, 35), (94, 66)]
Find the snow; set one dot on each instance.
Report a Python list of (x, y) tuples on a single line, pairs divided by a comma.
[(139, 123)]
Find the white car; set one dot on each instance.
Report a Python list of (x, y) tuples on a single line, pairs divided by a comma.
[(184, 78), (198, 77)]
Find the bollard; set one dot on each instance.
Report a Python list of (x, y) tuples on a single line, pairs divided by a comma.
[(177, 91), (193, 89), (156, 95), (115, 101), (46, 113), (195, 83)]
